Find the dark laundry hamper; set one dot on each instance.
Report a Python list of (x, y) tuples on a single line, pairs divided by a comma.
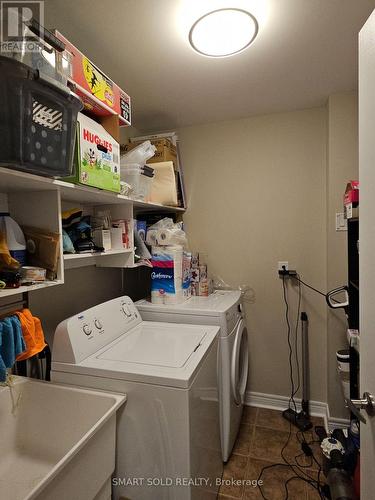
[(37, 121)]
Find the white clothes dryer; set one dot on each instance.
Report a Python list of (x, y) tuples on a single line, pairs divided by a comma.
[(168, 432), (224, 309)]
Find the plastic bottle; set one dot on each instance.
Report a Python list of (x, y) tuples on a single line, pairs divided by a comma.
[(15, 238)]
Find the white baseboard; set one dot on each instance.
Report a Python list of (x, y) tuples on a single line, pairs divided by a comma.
[(277, 402)]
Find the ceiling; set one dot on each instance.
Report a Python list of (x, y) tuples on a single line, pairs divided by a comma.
[(305, 51)]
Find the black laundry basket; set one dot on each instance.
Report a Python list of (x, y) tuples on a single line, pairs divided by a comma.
[(37, 121)]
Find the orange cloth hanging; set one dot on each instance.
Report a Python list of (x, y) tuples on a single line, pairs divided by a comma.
[(32, 333)]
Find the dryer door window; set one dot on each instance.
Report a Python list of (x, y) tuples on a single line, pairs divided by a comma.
[(240, 363)]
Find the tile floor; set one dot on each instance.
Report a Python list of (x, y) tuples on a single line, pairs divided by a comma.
[(262, 435)]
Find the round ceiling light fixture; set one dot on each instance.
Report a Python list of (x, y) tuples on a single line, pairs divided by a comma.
[(223, 32)]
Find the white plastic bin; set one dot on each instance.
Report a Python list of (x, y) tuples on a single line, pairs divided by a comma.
[(343, 368), (141, 183), (140, 154)]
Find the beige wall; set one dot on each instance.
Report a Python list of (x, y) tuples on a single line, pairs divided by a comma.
[(83, 288), (257, 194), (259, 190), (342, 166)]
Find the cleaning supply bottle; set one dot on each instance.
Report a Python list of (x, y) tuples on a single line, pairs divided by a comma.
[(7, 263), (15, 239)]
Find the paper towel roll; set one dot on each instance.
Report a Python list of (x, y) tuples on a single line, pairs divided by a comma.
[(170, 254), (167, 271), (151, 237), (170, 237)]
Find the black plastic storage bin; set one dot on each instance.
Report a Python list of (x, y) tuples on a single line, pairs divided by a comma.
[(37, 121)]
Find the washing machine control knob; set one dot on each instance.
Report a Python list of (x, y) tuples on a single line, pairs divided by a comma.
[(87, 330), (125, 310), (98, 324)]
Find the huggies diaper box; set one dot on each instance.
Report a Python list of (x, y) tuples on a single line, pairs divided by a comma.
[(97, 156)]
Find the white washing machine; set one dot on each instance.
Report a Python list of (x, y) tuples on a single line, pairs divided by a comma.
[(224, 309), (168, 432)]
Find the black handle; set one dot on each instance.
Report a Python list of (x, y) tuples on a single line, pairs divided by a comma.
[(45, 35)]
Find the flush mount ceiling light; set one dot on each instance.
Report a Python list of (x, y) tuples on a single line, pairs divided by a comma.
[(223, 32)]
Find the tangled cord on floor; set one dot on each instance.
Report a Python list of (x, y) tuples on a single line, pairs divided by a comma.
[(296, 468)]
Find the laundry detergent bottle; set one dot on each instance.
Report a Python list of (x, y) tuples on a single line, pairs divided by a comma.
[(15, 238)]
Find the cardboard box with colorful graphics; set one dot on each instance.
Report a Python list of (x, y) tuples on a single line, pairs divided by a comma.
[(97, 161), (100, 95)]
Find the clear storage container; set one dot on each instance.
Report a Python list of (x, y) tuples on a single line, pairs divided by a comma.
[(138, 155), (36, 47), (139, 178), (37, 121), (343, 368)]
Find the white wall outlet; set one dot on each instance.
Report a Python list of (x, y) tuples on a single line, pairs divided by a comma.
[(341, 222), (281, 265)]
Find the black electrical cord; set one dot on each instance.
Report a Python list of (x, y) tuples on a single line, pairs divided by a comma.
[(296, 468), (313, 459), (303, 466), (290, 358), (298, 278)]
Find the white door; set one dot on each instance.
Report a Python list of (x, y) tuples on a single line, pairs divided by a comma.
[(367, 246)]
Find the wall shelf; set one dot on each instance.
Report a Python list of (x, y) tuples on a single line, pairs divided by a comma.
[(77, 256), (30, 288), (15, 181), (72, 261), (38, 201), (138, 264)]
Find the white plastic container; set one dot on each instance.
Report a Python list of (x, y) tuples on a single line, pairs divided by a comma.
[(141, 184), (15, 238), (140, 154), (343, 368)]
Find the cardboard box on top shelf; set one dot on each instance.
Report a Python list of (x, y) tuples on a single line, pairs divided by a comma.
[(100, 95), (165, 150), (111, 124)]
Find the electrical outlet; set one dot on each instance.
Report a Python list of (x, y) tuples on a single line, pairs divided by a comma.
[(283, 265)]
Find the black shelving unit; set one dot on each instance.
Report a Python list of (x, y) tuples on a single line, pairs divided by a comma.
[(353, 310)]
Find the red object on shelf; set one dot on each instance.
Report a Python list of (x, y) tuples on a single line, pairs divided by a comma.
[(351, 194), (100, 95)]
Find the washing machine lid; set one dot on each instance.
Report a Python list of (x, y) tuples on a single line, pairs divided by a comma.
[(216, 304), (156, 344), (167, 354)]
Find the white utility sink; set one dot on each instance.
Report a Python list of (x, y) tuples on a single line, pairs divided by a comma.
[(57, 442)]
